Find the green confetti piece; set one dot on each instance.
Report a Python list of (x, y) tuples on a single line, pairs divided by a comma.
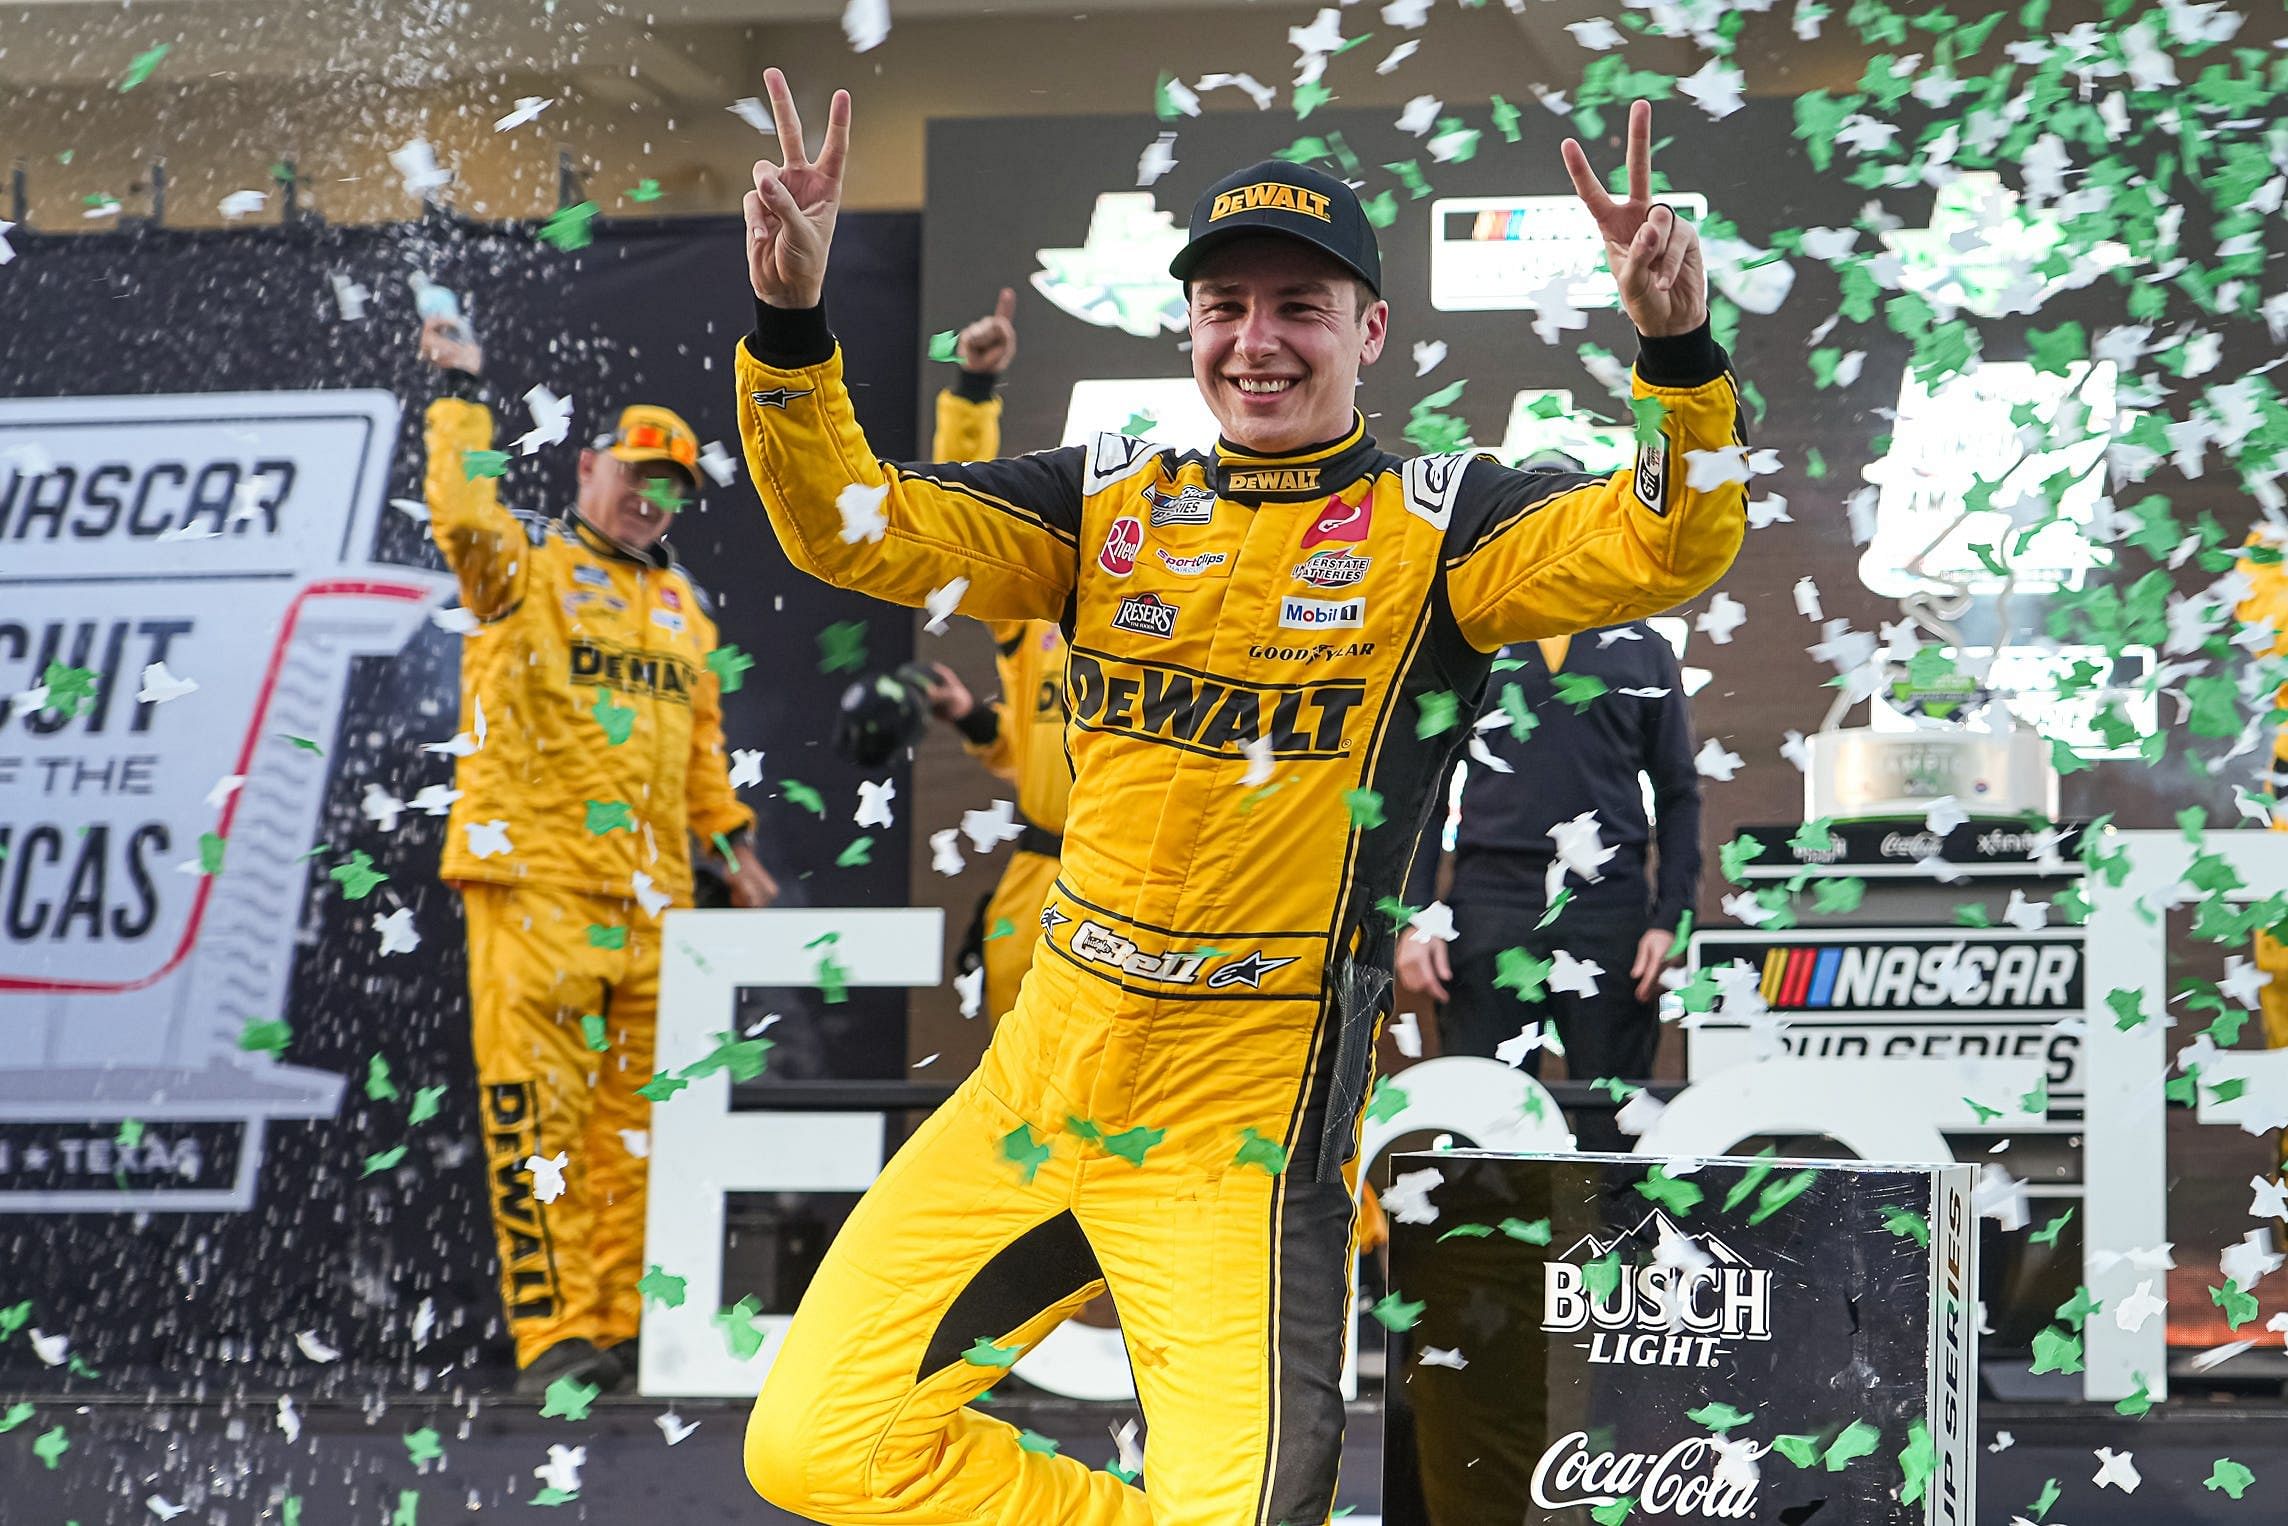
[(1521, 974), (740, 1337), (1029, 1154), (1803, 1451), (618, 721), (661, 1087), (1255, 1150), (265, 1036), (1365, 807), (1815, 837), (658, 1286), (2238, 1303), (592, 1032), (2048, 1233), (833, 980), (483, 463), (1859, 1439), (983, 1353), (1393, 1312), (1131, 1145), (1650, 414), (1719, 1417), (945, 346), (1440, 712), (139, 69), (378, 1085), (387, 1160), (425, 1100), (1579, 690), (2044, 1500), (1603, 1275), (859, 851), (799, 793), (1781, 1193), (1526, 1231), (1837, 897), (1679, 1197), (2128, 1007), (2076, 1310), (721, 842), (663, 494), (16, 1415), (358, 877), (1522, 720), (549, 1494), (1309, 97), (1034, 1441), (610, 816), (1907, 1224), (421, 1446), (1737, 854), (1557, 905), (1613, 1512), (2139, 1403), (646, 189), (1918, 1460), (210, 853), (745, 1059), (14, 1318), (2056, 1351), (730, 665), (304, 743), (842, 646), (571, 227), (1388, 1101), (600, 936), (1381, 209), (2229, 1476), (1506, 119), (408, 1512), (1002, 928), (49, 1446), (1467, 1232), (1139, 424)]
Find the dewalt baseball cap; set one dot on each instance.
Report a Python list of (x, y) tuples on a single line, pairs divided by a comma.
[(1290, 199), (647, 432)]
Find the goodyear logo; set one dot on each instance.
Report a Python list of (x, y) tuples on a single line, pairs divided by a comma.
[(1279, 479), (1205, 712), (1923, 976), (1270, 196)]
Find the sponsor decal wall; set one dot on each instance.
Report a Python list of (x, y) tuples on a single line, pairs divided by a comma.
[(228, 971)]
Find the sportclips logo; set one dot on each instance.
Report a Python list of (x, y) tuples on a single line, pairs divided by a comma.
[(1654, 1315), (1922, 975), (1202, 712)]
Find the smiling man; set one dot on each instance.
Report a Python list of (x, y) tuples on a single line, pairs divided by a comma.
[(1272, 646)]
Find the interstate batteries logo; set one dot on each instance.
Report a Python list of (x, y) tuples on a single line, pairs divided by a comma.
[(1332, 568), (1685, 1313), (1919, 975)]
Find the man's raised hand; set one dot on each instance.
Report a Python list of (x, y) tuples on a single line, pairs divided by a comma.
[(1653, 253), (791, 210), (989, 343)]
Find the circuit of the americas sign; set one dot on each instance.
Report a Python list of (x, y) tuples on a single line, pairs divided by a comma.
[(1723, 1340), (154, 852)]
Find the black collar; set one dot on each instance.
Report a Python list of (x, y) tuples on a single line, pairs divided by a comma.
[(1312, 472), (656, 556)]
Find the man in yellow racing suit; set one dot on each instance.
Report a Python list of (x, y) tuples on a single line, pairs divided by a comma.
[(2267, 601), (1274, 651), (591, 748)]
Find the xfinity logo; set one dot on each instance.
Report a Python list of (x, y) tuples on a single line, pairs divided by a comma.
[(1297, 613), (1658, 1315)]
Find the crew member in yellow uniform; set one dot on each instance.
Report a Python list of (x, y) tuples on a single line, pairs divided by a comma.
[(1021, 736), (1275, 649), (2268, 600), (595, 730)]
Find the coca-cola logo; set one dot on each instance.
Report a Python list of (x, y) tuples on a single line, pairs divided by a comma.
[(1691, 1478), (1121, 544), (1910, 844)]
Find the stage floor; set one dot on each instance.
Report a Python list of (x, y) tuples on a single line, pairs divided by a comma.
[(230, 1464)]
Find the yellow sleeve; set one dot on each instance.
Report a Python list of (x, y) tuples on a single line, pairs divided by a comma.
[(1000, 755), (1536, 554), (967, 430), (709, 802), (482, 541), (1011, 527)]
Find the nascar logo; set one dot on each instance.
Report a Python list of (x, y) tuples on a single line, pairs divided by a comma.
[(1190, 506), (1893, 976)]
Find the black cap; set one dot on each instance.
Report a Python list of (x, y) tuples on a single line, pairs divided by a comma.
[(1291, 199)]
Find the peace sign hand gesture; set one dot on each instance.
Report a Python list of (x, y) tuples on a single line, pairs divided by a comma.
[(1653, 253), (791, 210)]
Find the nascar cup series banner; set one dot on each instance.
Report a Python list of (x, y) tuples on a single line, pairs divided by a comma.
[(1723, 1340), (228, 699)]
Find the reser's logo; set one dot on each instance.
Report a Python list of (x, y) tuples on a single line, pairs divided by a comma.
[(1147, 614), (1656, 1315), (1203, 712)]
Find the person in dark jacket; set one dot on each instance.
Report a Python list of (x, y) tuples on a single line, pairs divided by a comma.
[(1572, 726)]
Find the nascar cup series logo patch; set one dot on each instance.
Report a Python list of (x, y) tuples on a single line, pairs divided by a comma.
[(1188, 506), (1121, 544)]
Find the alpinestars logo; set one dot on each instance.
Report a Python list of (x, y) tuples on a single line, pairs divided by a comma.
[(1052, 919), (1680, 1314), (1248, 971), (1189, 506), (778, 397)]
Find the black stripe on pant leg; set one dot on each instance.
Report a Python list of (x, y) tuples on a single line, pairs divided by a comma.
[(1041, 1268)]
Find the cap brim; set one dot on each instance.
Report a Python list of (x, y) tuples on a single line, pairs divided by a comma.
[(639, 457), (1187, 260)]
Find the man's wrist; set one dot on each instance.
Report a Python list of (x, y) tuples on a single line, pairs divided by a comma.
[(790, 338), (976, 386), (1691, 359), (979, 725)]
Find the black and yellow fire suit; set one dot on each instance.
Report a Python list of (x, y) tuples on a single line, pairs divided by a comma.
[(1272, 664), (597, 736), (2268, 600)]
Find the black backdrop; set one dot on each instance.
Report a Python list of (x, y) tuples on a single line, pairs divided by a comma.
[(649, 311)]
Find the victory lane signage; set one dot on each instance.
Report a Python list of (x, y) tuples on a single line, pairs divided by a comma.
[(1600, 1338)]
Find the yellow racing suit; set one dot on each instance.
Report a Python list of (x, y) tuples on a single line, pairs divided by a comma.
[(1021, 737), (591, 747), (1273, 661), (2268, 601)]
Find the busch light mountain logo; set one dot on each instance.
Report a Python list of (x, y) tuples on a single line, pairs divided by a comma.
[(1685, 1308)]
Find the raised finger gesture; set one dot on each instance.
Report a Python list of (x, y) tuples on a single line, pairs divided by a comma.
[(791, 210), (990, 343), (1653, 253)]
